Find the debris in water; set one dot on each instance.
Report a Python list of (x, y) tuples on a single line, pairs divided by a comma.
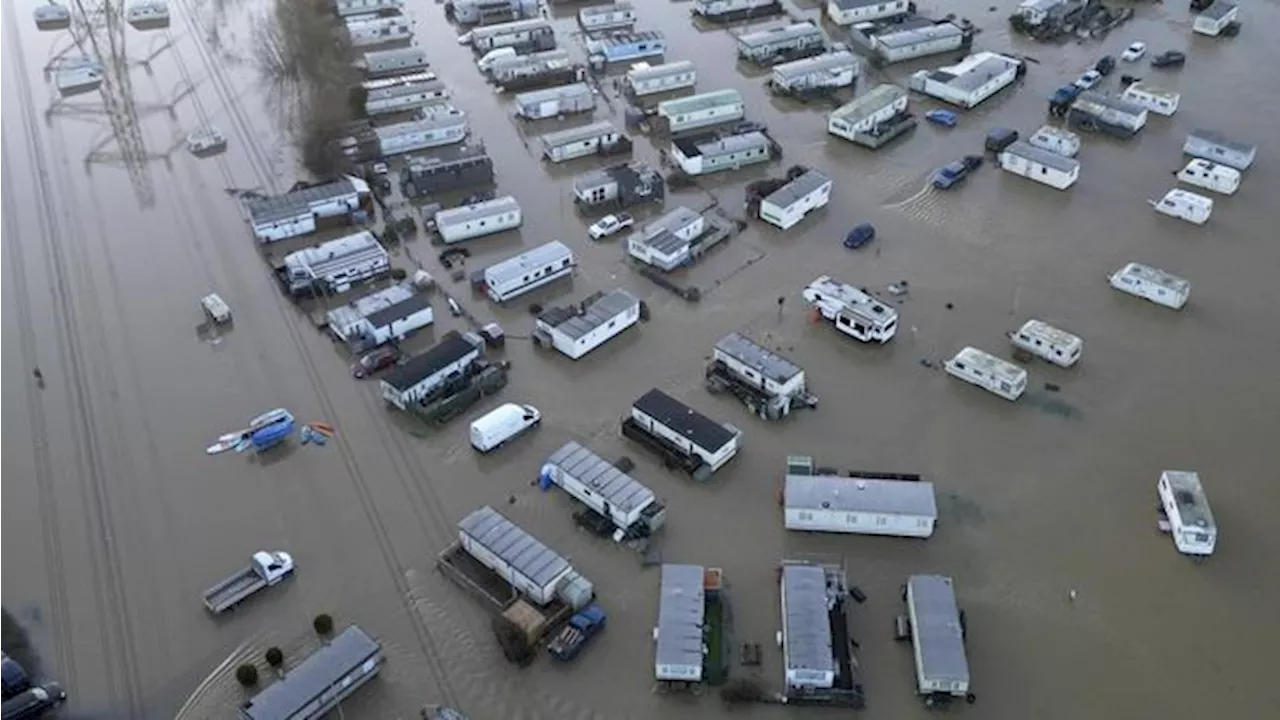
[(950, 306), (1052, 387)]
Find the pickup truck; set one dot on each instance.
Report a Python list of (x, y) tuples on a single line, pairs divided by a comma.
[(265, 569), (583, 626)]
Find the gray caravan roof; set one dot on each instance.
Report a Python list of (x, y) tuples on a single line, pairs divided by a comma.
[(1050, 159), (409, 306), (617, 488), (305, 681), (599, 312), (765, 38), (453, 117), (869, 103), (1218, 9), (514, 267), (749, 353), (1190, 498), (436, 87), (678, 67), (477, 211), (914, 35), (937, 628), (536, 97), (797, 189), (681, 610), (1112, 102), (868, 495), (366, 305), (516, 26), (522, 551), (560, 138), (980, 74), (1216, 138), (807, 620), (279, 207), (835, 60), (700, 102)]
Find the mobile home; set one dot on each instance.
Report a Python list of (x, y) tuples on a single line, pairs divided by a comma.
[(1033, 163), (1211, 176), (380, 316), (666, 242), (790, 203), (1157, 100), (623, 46), (770, 385), (539, 573), (679, 636), (915, 38), (988, 372), (705, 154), (318, 684), (681, 434), (632, 508), (453, 168), (645, 79), (1149, 283), (489, 12), (848, 12), (859, 505), (483, 218), (578, 329), (537, 70), (296, 213), (527, 271), (702, 110), (1056, 140), (1184, 205), (724, 11), (791, 42), (442, 128), (349, 8), (970, 82), (861, 116), (853, 312), (1186, 507), (371, 30), (416, 379), (808, 644), (614, 16), (821, 73), (1213, 20), (621, 186), (1213, 145), (1048, 342), (937, 638), (1099, 112), (335, 266), (394, 62), (538, 104), (523, 36), (404, 93), (598, 138)]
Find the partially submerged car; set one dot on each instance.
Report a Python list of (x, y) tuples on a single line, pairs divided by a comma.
[(1105, 65), (859, 236), (1134, 52), (375, 360), (1169, 59), (952, 174), (1089, 80)]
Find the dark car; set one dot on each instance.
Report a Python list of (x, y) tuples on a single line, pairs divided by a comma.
[(33, 702), (1169, 59), (1105, 65), (859, 236), (13, 677), (952, 174), (1000, 138), (375, 360)]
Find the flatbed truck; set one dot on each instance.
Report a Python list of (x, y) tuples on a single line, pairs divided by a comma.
[(265, 569)]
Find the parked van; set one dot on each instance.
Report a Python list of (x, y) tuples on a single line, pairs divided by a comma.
[(502, 424), (988, 372), (34, 702), (489, 59), (1185, 206), (1211, 176), (1048, 342)]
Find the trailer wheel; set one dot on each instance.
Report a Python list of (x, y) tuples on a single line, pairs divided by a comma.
[(971, 698)]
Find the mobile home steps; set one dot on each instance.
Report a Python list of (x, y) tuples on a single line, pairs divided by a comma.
[(791, 42), (614, 16), (790, 203), (551, 102), (702, 110), (644, 79), (936, 627), (632, 508), (980, 368), (858, 121), (683, 437), (1149, 283), (621, 186), (293, 214), (679, 636), (528, 271), (852, 311), (524, 36), (488, 12), (707, 153), (578, 329), (724, 11), (394, 62), (599, 138), (477, 220), (820, 73), (455, 168), (335, 266), (771, 386), (862, 505)]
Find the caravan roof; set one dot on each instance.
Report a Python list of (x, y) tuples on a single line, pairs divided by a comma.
[(769, 364), (307, 680), (936, 628), (693, 425), (871, 102), (599, 311), (680, 617), (797, 189), (869, 495), (515, 267), (517, 548), (440, 356), (615, 487), (1189, 498), (806, 622)]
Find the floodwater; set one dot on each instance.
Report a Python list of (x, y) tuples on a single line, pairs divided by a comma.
[(115, 520)]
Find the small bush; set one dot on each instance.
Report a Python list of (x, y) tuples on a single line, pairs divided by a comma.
[(323, 624), (275, 657), (247, 675)]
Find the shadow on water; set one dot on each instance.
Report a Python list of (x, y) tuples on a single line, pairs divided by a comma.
[(17, 645)]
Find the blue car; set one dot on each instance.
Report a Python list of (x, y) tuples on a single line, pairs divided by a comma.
[(945, 118), (859, 236), (954, 173)]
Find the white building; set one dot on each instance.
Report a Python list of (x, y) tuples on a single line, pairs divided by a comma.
[(968, 83), (666, 242), (1033, 163), (380, 317), (689, 431), (988, 372), (334, 267), (413, 381), (523, 35), (1184, 205), (1154, 284), (771, 373), (550, 102), (1186, 507), (1211, 176), (702, 110), (790, 203), (910, 40), (1056, 140), (828, 71), (1048, 342), (864, 113), (372, 30), (348, 8), (707, 154), (645, 79), (446, 127), (578, 329), (479, 219), (630, 506), (1216, 147), (1157, 100), (678, 637), (859, 505), (937, 636), (527, 271), (772, 45), (394, 62), (807, 653), (1214, 19), (848, 12), (399, 94), (293, 214), (598, 138), (614, 16), (852, 311)]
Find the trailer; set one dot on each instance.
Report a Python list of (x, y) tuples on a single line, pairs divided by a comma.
[(335, 266), (372, 30), (645, 79), (614, 16), (817, 75), (937, 630), (528, 271), (599, 138), (782, 44), (791, 203), (488, 12), (770, 385), (349, 8), (378, 63), (863, 505), (456, 168), (523, 36), (551, 102), (479, 219), (551, 68), (619, 186), (852, 311), (727, 11), (539, 573), (818, 662), (632, 508), (621, 46), (683, 437)]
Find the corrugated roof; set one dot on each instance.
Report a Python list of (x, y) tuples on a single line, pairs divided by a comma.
[(832, 492), (681, 610), (517, 548), (699, 102), (807, 623), (308, 679), (615, 487), (937, 631), (536, 258), (830, 62), (1049, 159), (578, 134), (781, 35), (914, 35), (871, 102), (749, 353)]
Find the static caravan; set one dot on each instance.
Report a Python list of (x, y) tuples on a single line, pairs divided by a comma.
[(391, 81), (335, 266), (537, 70), (679, 636), (321, 682), (380, 317), (621, 186), (632, 508), (473, 221), (705, 154), (791, 42), (147, 14), (488, 12), (808, 646), (702, 110), (1213, 20), (848, 12), (1186, 507), (864, 113), (667, 242), (1184, 205), (539, 573), (455, 168), (724, 11), (349, 8), (444, 128), (859, 505), (968, 83), (623, 46), (578, 329), (394, 62), (790, 203), (538, 104), (1211, 176), (527, 271), (988, 372), (769, 384), (916, 38), (1056, 140), (422, 375), (1050, 168), (1099, 112), (1154, 284), (645, 79), (614, 16), (77, 76), (371, 30), (523, 36), (408, 93), (828, 71), (854, 312), (1157, 100), (296, 213), (598, 138), (937, 638), (51, 17), (1048, 342), (1214, 146), (682, 432)]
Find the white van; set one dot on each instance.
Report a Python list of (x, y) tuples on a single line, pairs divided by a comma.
[(486, 61), (1048, 342), (1184, 205), (1210, 176), (502, 424)]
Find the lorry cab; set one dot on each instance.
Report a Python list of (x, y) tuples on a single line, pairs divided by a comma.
[(272, 566), (33, 702), (502, 424)]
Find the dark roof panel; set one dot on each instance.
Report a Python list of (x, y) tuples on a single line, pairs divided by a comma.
[(675, 415)]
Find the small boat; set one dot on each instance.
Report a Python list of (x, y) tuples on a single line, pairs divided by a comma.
[(206, 141), (265, 431)]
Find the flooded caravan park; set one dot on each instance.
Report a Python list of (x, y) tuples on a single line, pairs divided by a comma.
[(115, 521)]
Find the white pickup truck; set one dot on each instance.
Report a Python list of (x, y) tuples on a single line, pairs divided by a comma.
[(265, 569)]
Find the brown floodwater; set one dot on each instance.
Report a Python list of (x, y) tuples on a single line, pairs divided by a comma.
[(115, 520)]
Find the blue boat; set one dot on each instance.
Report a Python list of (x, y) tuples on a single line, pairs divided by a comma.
[(270, 429)]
